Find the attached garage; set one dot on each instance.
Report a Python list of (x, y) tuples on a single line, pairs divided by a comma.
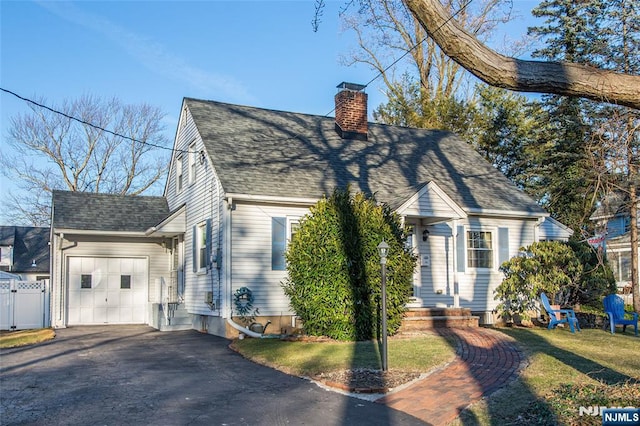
[(107, 290), (108, 263)]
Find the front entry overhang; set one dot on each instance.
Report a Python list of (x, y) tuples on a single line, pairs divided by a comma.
[(172, 225), (431, 205)]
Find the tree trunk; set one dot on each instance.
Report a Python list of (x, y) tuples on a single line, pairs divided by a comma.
[(560, 78), (633, 219)]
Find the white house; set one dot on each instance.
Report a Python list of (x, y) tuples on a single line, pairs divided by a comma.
[(24, 252), (242, 177), (613, 233)]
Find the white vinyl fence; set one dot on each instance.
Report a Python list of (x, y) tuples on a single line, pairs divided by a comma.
[(24, 304)]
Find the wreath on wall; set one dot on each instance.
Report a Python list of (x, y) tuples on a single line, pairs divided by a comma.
[(243, 301)]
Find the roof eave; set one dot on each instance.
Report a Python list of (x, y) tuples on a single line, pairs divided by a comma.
[(70, 231), (300, 201), (506, 213)]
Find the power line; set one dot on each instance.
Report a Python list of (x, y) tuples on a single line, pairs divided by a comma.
[(380, 73), (95, 126)]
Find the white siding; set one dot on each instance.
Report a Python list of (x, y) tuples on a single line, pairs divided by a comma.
[(204, 201), (429, 203), (477, 287), (252, 255), (91, 246)]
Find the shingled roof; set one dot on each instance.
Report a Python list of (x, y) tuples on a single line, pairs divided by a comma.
[(283, 154), (30, 246), (107, 212)]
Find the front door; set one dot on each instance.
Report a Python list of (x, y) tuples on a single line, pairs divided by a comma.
[(412, 244)]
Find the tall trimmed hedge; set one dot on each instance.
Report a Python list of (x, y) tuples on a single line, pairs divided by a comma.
[(333, 266)]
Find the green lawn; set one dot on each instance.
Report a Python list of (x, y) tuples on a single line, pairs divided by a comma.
[(12, 339), (564, 371), (418, 354)]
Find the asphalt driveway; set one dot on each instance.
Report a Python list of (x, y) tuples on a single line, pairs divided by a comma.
[(135, 375)]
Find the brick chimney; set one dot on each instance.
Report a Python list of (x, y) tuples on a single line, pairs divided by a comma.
[(351, 111)]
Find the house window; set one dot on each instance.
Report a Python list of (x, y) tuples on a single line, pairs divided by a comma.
[(85, 281), (620, 263), (479, 249), (179, 174), (175, 256), (5, 256), (201, 247), (282, 231), (192, 163), (293, 224), (125, 281)]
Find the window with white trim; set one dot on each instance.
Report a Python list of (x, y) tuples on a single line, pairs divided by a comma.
[(480, 249), (179, 174), (5, 255), (192, 162), (620, 263), (201, 247), (282, 231)]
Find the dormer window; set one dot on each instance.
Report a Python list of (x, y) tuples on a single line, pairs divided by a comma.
[(179, 174), (193, 155)]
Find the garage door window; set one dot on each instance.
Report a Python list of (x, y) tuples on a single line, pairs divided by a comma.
[(125, 281), (85, 281)]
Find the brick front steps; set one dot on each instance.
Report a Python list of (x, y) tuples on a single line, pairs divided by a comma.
[(417, 319)]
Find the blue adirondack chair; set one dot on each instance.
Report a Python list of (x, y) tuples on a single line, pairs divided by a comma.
[(565, 316), (614, 307)]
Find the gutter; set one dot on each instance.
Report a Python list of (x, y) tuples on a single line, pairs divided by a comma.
[(271, 199), (105, 233), (506, 213)]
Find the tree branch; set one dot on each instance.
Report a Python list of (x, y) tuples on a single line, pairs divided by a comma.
[(560, 78)]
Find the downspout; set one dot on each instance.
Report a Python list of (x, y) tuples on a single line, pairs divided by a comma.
[(243, 329), (456, 282), (61, 285), (229, 254), (536, 229)]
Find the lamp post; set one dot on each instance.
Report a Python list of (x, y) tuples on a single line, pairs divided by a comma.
[(383, 248)]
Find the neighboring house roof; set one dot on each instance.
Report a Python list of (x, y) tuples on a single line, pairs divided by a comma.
[(283, 154), (107, 212), (552, 229), (614, 204), (30, 246)]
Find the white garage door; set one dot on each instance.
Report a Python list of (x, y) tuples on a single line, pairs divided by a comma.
[(107, 290)]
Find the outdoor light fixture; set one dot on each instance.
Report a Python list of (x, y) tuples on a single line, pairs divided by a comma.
[(33, 263), (425, 235), (383, 248)]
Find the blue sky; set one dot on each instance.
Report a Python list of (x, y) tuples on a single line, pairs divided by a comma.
[(259, 53)]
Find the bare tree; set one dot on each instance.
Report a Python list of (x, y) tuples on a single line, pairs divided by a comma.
[(615, 158), (50, 151), (387, 31), (561, 78)]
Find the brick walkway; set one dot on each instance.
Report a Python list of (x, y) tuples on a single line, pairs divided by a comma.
[(486, 360)]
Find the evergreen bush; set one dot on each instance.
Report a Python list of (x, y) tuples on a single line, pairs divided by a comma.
[(547, 266), (333, 266), (569, 273)]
